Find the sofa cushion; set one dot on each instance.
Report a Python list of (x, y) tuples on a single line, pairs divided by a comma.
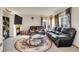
[(52, 34), (72, 32), (65, 31), (59, 29)]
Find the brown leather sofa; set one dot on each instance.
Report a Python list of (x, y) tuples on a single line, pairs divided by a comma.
[(36, 30)]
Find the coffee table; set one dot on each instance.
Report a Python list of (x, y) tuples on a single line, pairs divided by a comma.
[(35, 40)]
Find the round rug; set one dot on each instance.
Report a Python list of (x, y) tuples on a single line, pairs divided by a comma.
[(25, 48)]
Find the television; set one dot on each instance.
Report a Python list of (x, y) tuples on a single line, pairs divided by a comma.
[(18, 19)]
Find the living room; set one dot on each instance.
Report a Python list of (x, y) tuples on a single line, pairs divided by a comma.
[(40, 20)]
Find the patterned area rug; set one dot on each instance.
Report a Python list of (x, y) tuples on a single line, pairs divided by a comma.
[(45, 45)]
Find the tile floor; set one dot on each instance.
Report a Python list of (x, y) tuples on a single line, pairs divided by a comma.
[(9, 46)]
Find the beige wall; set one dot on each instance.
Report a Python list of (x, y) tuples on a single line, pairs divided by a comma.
[(11, 17), (75, 23), (28, 21)]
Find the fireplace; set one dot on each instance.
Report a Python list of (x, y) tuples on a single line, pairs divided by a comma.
[(18, 29)]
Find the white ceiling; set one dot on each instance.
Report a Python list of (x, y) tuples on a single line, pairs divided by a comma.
[(38, 10)]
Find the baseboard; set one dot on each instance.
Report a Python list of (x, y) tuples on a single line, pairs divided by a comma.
[(76, 46)]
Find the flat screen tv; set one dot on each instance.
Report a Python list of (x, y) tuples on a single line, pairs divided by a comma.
[(18, 19)]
